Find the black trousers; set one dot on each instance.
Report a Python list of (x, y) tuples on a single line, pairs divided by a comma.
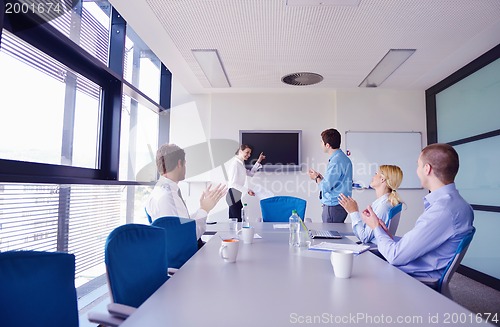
[(233, 199)]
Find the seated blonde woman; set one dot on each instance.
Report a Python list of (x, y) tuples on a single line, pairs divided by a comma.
[(385, 183)]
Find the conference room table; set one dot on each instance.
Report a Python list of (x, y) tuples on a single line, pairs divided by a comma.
[(273, 284)]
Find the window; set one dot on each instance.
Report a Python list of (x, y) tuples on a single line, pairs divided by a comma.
[(463, 111), (50, 114), (88, 26), (32, 217), (139, 141), (480, 92), (64, 181), (142, 67)]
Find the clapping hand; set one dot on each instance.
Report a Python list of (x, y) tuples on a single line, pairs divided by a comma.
[(370, 218), (210, 197), (349, 204), (313, 174)]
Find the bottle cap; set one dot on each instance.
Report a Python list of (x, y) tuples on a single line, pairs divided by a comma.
[(294, 211)]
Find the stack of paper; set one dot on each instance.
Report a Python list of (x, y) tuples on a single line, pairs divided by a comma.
[(325, 246)]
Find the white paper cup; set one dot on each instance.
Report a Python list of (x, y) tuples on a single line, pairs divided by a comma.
[(247, 234), (229, 249), (342, 261)]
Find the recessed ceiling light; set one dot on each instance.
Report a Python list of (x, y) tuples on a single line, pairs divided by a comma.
[(385, 67), (210, 63)]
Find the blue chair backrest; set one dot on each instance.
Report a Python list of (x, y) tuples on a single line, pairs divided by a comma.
[(38, 289), (455, 261), (136, 262), (149, 217), (279, 208), (181, 239), (393, 219)]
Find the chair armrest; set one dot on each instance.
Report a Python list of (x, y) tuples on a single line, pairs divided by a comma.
[(104, 319), (120, 310), (431, 282), (171, 271)]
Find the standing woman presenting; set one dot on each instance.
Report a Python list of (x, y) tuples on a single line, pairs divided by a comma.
[(237, 174)]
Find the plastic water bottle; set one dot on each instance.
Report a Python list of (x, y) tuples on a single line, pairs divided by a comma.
[(294, 239), (245, 222), (304, 237)]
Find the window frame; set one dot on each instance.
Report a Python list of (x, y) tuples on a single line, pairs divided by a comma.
[(432, 137), (110, 78)]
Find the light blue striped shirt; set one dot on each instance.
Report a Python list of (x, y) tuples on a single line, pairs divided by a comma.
[(337, 179), (426, 250)]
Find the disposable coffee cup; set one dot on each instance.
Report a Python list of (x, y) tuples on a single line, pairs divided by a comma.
[(342, 261), (229, 249)]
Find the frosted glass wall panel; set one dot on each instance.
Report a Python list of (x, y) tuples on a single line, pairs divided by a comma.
[(479, 178), (484, 252), (471, 106)]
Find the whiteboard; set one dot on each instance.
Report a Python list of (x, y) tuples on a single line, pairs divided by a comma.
[(369, 150)]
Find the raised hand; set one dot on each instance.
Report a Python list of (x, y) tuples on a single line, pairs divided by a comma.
[(313, 174), (370, 218), (261, 157), (349, 204), (210, 197)]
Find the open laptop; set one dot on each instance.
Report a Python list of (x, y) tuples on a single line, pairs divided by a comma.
[(324, 234)]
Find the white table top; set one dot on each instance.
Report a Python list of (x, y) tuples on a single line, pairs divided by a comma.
[(272, 284)]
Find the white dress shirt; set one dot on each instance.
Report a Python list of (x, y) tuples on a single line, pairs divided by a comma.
[(166, 201), (365, 234), (237, 174)]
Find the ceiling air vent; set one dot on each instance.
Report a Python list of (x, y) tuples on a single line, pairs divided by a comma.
[(302, 79)]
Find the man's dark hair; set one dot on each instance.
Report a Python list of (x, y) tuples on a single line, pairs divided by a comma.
[(331, 136), (167, 157), (443, 159)]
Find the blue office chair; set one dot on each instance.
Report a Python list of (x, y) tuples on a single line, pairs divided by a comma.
[(148, 216), (181, 241), (442, 284), (38, 289), (136, 262), (393, 220), (279, 208)]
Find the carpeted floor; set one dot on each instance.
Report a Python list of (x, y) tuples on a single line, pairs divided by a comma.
[(476, 297)]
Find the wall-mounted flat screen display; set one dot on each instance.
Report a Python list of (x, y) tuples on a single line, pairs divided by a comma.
[(281, 148)]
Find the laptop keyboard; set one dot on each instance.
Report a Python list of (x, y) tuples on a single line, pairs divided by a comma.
[(325, 234)]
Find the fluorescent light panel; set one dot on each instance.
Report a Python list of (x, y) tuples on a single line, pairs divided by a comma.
[(210, 63), (386, 67), (349, 3)]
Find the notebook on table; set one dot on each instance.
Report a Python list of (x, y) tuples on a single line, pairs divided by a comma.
[(324, 234), (325, 246)]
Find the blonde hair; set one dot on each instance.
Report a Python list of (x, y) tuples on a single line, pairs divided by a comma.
[(393, 178)]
